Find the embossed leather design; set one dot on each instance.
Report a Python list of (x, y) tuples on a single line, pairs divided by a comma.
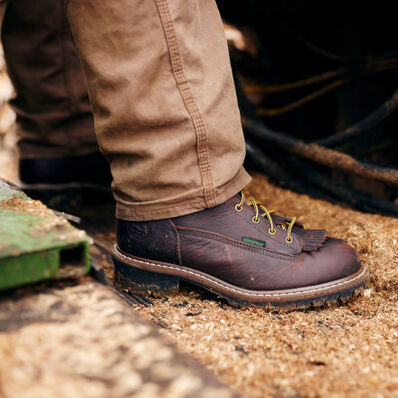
[(155, 240)]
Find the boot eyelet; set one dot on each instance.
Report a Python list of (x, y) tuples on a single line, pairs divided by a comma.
[(272, 231), (238, 208), (289, 239), (255, 220)]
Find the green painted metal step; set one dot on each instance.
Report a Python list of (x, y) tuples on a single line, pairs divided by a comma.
[(35, 243)]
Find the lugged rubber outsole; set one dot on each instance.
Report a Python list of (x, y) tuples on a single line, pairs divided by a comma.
[(147, 277)]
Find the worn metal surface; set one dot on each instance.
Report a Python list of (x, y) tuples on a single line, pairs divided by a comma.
[(36, 244)]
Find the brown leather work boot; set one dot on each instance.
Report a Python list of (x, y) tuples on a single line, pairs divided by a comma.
[(239, 251)]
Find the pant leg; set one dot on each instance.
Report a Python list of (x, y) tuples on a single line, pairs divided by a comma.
[(164, 103), (53, 111)]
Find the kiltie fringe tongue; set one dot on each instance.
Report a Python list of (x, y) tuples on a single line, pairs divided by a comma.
[(313, 239)]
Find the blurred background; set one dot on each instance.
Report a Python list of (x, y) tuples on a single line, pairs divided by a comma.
[(309, 69), (8, 168), (304, 71)]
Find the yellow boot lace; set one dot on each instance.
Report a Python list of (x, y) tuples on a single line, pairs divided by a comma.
[(266, 213)]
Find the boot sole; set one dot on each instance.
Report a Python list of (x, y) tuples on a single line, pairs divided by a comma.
[(156, 278)]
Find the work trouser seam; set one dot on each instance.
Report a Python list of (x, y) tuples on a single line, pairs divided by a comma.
[(189, 102)]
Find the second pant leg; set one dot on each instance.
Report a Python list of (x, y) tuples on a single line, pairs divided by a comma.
[(164, 103), (53, 111)]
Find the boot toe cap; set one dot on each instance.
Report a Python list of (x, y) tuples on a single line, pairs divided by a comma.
[(336, 259)]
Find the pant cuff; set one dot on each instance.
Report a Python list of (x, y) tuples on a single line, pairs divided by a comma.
[(190, 202)]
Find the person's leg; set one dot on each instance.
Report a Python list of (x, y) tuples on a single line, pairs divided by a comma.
[(53, 110), (57, 144), (164, 103), (166, 116)]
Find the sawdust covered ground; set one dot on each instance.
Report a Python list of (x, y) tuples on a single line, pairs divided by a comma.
[(341, 351), (346, 351)]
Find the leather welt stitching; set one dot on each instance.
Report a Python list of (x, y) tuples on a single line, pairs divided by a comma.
[(241, 245), (118, 253)]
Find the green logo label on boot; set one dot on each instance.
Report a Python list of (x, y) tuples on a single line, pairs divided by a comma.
[(255, 242)]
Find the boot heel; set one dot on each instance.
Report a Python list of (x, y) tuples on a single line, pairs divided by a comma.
[(141, 282)]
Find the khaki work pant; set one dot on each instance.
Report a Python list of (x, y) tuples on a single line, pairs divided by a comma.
[(161, 92)]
